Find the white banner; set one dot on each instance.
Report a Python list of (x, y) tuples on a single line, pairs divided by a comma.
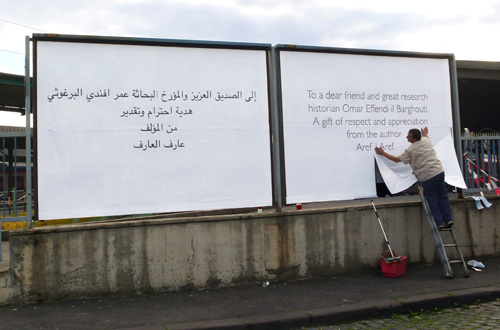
[(126, 129), (398, 176), (338, 107)]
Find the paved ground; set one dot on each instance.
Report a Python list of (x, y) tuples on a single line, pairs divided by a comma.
[(482, 316), (290, 305)]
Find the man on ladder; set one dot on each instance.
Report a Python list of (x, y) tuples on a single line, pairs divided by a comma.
[(430, 173)]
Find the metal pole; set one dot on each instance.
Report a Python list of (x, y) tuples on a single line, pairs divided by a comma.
[(4, 180), (456, 110), (276, 137), (27, 84), (3, 194), (14, 191)]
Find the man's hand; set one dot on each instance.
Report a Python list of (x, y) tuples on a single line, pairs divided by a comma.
[(382, 152), (425, 131)]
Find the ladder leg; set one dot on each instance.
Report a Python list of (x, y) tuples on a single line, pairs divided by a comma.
[(459, 251), (437, 237), (441, 251)]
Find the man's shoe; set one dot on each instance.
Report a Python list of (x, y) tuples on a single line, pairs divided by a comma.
[(449, 224), (440, 227)]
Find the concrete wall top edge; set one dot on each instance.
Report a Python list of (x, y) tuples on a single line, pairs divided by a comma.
[(150, 221)]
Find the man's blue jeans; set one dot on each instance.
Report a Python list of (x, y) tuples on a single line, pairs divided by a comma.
[(437, 196)]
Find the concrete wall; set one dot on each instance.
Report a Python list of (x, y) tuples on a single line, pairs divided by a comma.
[(144, 256)]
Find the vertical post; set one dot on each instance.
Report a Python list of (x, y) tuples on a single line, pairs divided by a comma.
[(496, 151), (27, 85), (10, 173), (4, 181), (3, 194), (456, 110), (276, 135), (14, 190)]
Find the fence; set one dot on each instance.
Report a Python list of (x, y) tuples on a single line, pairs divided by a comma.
[(480, 161), (14, 180)]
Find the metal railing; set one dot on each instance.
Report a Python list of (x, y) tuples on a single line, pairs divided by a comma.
[(481, 160), (14, 178)]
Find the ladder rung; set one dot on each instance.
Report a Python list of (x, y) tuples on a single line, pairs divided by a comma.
[(449, 245), (439, 239)]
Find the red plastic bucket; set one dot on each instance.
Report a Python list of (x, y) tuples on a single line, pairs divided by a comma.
[(393, 268)]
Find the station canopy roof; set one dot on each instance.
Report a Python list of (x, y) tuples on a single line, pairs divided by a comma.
[(12, 93)]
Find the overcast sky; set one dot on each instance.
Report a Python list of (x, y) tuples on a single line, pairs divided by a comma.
[(468, 29)]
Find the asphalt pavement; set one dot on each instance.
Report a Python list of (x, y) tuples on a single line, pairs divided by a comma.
[(282, 305)]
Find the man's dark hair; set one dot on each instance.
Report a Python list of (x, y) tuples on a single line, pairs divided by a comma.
[(416, 134)]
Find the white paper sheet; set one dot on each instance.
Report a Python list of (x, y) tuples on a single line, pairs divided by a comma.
[(399, 177), (338, 107), (125, 129)]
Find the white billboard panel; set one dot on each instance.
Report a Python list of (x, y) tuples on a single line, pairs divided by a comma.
[(130, 129), (338, 107)]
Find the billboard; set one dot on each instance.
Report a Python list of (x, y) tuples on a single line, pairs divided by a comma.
[(338, 106), (149, 128)]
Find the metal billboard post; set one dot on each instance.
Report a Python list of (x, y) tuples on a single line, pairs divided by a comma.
[(27, 106), (276, 135), (456, 111)]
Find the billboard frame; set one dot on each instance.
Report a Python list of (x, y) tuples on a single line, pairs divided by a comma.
[(157, 42), (277, 49)]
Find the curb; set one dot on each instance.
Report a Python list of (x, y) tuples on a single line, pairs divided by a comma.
[(347, 313)]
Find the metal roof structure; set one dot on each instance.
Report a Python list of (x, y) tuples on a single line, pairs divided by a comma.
[(12, 93), (478, 70), (479, 94)]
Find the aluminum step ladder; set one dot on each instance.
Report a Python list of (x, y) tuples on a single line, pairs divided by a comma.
[(439, 241)]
